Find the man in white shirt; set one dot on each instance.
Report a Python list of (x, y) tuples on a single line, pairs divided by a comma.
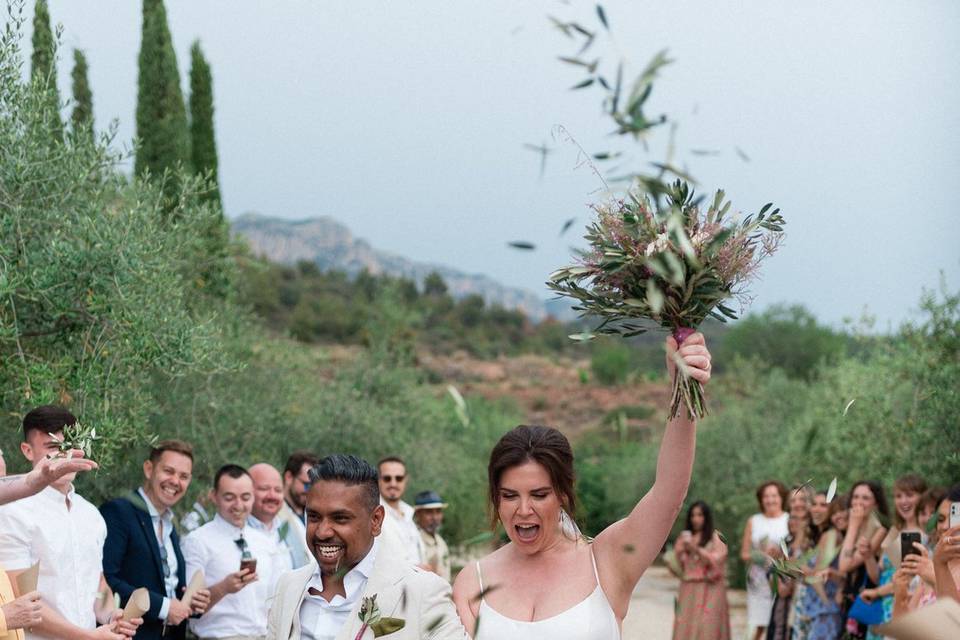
[(267, 502), (398, 522), (355, 564), (65, 534), (225, 550)]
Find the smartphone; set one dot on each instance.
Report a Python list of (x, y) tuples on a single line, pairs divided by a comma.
[(907, 538), (954, 514), (249, 563)]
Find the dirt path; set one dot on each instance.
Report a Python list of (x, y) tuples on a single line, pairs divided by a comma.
[(651, 609)]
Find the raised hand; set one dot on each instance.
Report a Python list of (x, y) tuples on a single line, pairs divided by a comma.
[(948, 547), (919, 565), (49, 470), (694, 356)]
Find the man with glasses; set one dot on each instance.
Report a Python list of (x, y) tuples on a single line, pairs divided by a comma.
[(296, 481), (142, 548), (398, 522), (236, 560)]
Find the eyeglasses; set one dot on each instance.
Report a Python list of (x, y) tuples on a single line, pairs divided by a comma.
[(392, 478), (241, 544)]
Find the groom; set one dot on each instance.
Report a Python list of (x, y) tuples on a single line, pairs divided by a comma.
[(355, 568)]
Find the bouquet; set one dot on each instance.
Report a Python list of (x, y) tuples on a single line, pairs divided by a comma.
[(672, 264)]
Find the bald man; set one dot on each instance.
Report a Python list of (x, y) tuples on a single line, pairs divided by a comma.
[(267, 516)]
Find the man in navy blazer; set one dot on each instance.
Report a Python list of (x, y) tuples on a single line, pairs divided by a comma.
[(142, 548)]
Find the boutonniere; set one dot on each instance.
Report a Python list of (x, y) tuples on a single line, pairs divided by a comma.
[(370, 618), (283, 530)]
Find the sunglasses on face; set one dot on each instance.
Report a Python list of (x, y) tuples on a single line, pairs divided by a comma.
[(389, 479)]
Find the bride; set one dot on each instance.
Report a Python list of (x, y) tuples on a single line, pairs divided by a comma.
[(549, 582)]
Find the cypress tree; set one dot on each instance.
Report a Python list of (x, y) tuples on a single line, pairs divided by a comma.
[(82, 115), (43, 64), (161, 115), (203, 146)]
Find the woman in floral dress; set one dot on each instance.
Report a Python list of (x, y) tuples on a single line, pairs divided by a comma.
[(702, 612)]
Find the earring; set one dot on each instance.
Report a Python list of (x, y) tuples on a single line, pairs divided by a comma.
[(568, 527)]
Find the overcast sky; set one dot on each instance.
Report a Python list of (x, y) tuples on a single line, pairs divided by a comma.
[(407, 120)]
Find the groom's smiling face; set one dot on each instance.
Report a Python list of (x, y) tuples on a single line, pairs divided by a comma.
[(341, 525)]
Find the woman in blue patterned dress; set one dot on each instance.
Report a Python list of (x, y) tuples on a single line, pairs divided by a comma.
[(819, 616)]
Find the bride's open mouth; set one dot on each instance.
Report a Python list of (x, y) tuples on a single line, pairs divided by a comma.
[(527, 532)]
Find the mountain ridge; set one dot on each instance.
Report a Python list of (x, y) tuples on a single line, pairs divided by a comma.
[(331, 245)]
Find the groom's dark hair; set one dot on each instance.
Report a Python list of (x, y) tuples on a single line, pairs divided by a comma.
[(352, 471)]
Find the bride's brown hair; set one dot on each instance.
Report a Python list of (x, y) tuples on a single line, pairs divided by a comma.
[(544, 445)]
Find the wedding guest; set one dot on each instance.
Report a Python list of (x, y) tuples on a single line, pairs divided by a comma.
[(915, 582), (800, 502), (514, 590), (818, 615), (428, 514), (267, 503), (701, 612), (787, 590), (64, 533), (355, 564), (142, 548), (946, 555), (861, 544), (222, 549), (399, 519), (17, 614), (761, 541), (907, 491), (295, 482)]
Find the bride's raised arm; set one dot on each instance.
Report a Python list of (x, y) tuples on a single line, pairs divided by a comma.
[(626, 548)]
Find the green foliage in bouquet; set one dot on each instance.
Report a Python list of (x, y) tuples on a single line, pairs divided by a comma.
[(676, 268), (673, 266)]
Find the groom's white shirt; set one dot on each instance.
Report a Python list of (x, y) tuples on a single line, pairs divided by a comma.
[(322, 620), (420, 598)]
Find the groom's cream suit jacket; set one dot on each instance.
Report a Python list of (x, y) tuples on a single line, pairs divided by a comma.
[(422, 599)]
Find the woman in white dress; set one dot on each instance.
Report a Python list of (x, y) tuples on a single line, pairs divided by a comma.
[(761, 540), (549, 582)]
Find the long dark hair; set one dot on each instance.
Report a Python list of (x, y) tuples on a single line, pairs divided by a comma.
[(879, 495), (706, 533)]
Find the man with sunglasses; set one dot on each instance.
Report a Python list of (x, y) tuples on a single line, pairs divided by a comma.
[(236, 560), (295, 485), (142, 548), (398, 522)]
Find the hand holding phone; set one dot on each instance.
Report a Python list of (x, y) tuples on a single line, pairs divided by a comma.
[(954, 514), (907, 538), (249, 563)]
